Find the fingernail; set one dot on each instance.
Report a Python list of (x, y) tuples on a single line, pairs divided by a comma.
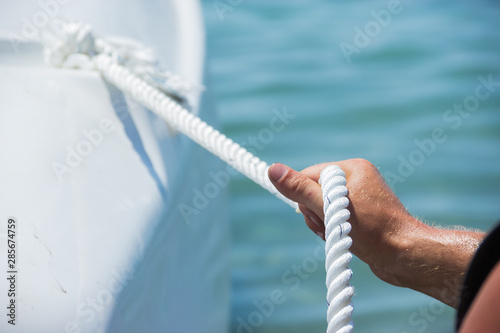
[(320, 234), (277, 171)]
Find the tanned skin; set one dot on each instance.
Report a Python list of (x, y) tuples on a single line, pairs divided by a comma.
[(399, 248)]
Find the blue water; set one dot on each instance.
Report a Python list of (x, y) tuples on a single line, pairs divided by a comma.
[(278, 54)]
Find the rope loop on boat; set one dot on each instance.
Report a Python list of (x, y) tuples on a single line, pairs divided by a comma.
[(338, 257), (74, 45)]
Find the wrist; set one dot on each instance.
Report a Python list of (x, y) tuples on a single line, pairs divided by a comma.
[(434, 261), (399, 248)]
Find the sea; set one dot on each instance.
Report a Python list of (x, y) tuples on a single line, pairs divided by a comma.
[(412, 86)]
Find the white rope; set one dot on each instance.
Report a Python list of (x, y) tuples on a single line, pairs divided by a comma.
[(133, 80), (338, 257), (62, 45), (188, 124)]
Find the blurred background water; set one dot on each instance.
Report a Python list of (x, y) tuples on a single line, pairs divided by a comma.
[(266, 55)]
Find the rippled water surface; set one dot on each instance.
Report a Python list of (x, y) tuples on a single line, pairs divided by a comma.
[(392, 92)]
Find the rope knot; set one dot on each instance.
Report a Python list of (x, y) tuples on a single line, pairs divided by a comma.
[(73, 45), (68, 44)]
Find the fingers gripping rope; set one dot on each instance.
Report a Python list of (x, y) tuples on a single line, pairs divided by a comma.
[(338, 257)]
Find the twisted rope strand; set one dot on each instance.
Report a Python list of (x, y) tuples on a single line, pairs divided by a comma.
[(185, 122), (338, 257)]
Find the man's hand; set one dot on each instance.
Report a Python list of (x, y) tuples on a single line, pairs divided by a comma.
[(399, 248)]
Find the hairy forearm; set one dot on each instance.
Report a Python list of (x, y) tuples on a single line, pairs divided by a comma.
[(434, 261)]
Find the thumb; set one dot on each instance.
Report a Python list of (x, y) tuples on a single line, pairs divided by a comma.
[(297, 187)]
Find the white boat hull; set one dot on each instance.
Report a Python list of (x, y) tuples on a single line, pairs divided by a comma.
[(94, 182)]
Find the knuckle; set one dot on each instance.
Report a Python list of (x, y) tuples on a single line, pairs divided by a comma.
[(362, 162), (364, 165)]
